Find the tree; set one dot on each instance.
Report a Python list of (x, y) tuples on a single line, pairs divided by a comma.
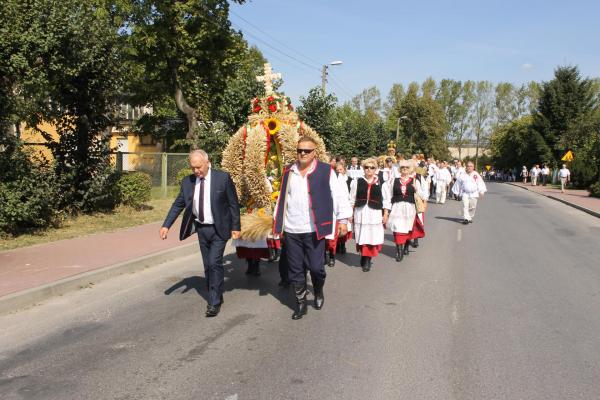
[(65, 68), (448, 96), (425, 126), (463, 111), (481, 113), (318, 112), (517, 143), (184, 48), (368, 101), (564, 101)]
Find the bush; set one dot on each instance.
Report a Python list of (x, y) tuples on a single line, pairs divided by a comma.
[(134, 188), (182, 174), (583, 172), (595, 190), (102, 194), (29, 198), (29, 203)]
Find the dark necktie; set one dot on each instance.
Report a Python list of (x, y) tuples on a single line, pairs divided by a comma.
[(201, 201)]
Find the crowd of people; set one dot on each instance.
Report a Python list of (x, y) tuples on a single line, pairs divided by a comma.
[(320, 208)]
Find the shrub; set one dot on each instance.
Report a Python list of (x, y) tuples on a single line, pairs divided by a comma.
[(29, 198), (102, 194), (29, 203), (182, 174), (595, 189), (583, 172), (134, 188)]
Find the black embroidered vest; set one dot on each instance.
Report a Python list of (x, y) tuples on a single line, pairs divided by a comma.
[(374, 199), (397, 196)]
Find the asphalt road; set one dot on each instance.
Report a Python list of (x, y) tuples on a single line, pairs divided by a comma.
[(505, 308)]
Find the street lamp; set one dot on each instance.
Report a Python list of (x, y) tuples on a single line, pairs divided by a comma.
[(398, 127), (324, 74)]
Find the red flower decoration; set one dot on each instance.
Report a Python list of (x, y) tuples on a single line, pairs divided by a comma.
[(256, 109), (272, 107)]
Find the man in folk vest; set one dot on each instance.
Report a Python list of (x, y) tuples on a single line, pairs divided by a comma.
[(309, 204)]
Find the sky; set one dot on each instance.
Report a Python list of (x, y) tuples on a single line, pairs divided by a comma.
[(382, 42)]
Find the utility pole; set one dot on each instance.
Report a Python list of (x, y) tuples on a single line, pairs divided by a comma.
[(324, 79)]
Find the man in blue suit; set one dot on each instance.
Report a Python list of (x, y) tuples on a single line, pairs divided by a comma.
[(211, 209)]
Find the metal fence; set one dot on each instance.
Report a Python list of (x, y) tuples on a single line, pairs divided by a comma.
[(162, 168)]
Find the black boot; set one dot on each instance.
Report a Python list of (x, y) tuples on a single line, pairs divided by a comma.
[(399, 253), (367, 267), (256, 270), (343, 248), (405, 250), (363, 263), (327, 257), (318, 288), (331, 259), (415, 243), (271, 254), (300, 293), (250, 269), (277, 254)]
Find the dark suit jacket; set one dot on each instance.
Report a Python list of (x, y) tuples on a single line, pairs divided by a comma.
[(223, 205)]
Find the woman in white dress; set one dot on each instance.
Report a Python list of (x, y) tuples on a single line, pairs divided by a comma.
[(403, 218), (371, 202)]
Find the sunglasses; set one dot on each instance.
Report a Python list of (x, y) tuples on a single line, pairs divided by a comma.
[(305, 151), (369, 167)]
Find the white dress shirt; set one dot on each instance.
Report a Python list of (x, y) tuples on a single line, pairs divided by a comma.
[(208, 217), (297, 216)]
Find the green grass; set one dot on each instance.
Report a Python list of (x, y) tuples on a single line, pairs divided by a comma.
[(122, 217)]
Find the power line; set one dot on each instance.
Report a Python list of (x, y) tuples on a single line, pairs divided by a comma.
[(275, 48), (275, 39)]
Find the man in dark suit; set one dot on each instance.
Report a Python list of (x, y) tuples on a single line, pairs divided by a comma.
[(211, 209)]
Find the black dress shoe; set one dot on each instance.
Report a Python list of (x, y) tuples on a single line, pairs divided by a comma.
[(213, 311), (465, 222), (405, 250), (363, 263), (415, 243), (300, 292), (319, 297)]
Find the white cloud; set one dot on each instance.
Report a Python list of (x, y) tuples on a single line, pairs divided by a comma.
[(527, 66)]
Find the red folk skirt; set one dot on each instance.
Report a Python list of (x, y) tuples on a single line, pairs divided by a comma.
[(369, 250), (418, 231)]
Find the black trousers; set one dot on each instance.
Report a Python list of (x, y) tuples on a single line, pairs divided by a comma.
[(304, 252), (212, 247)]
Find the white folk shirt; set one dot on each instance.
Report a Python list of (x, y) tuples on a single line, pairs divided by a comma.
[(297, 217), (545, 171), (459, 171), (432, 169), (442, 176), (564, 173), (355, 172), (208, 217), (469, 185), (535, 172)]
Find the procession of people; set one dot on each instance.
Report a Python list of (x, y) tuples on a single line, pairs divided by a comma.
[(320, 208)]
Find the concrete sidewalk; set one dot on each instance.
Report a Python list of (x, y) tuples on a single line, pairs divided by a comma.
[(579, 199), (31, 274)]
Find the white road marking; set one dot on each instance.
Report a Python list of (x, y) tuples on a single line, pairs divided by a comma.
[(459, 235)]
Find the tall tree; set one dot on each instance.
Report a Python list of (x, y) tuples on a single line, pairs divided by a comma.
[(368, 101), (185, 48), (564, 101), (448, 96), (318, 112), (65, 67), (463, 111), (505, 103), (481, 114), (428, 88)]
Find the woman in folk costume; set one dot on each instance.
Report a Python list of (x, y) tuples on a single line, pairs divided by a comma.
[(403, 218), (369, 197), (420, 174), (345, 180)]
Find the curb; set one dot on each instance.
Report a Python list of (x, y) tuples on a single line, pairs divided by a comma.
[(580, 208), (29, 297)]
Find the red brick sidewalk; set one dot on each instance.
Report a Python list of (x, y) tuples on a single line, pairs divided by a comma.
[(34, 266), (578, 198)]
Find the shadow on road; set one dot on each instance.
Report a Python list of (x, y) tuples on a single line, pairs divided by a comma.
[(457, 220), (236, 279)]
